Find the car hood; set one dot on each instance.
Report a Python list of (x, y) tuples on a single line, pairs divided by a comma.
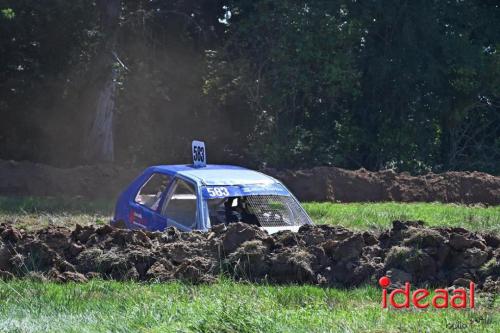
[(272, 230)]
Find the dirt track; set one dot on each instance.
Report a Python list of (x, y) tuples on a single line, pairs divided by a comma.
[(335, 184), (321, 255), (316, 184)]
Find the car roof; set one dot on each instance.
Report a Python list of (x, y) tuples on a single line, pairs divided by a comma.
[(214, 174)]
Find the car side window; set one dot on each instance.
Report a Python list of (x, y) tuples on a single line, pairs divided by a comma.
[(181, 204), (150, 193)]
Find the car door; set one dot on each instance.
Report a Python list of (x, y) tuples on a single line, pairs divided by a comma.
[(147, 203), (180, 207)]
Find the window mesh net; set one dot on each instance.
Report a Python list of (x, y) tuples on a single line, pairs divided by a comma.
[(276, 210)]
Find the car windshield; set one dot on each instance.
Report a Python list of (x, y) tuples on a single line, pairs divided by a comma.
[(260, 210)]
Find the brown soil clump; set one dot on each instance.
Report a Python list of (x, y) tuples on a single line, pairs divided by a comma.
[(321, 255)]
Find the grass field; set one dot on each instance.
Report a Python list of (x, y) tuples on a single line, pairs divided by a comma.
[(226, 306), (103, 306), (380, 215), (40, 212)]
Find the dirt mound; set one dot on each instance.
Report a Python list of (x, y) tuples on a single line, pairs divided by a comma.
[(322, 255), (316, 184), (96, 181), (334, 184)]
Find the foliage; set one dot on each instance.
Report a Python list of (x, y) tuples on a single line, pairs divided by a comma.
[(294, 65), (8, 13), (396, 84), (405, 85), (160, 102), (42, 54)]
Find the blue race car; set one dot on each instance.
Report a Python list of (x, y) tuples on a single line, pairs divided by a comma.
[(200, 196)]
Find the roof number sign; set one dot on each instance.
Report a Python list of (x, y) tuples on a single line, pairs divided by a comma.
[(199, 154)]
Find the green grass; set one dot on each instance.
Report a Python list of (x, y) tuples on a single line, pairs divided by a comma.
[(104, 306), (28, 212), (35, 213), (226, 306), (380, 215), (75, 205)]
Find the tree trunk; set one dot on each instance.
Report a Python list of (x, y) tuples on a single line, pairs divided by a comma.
[(98, 141)]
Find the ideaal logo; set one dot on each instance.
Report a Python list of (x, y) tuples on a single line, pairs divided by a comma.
[(460, 299)]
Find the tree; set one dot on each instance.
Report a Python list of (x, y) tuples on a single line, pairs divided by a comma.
[(287, 68), (99, 139), (405, 85)]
